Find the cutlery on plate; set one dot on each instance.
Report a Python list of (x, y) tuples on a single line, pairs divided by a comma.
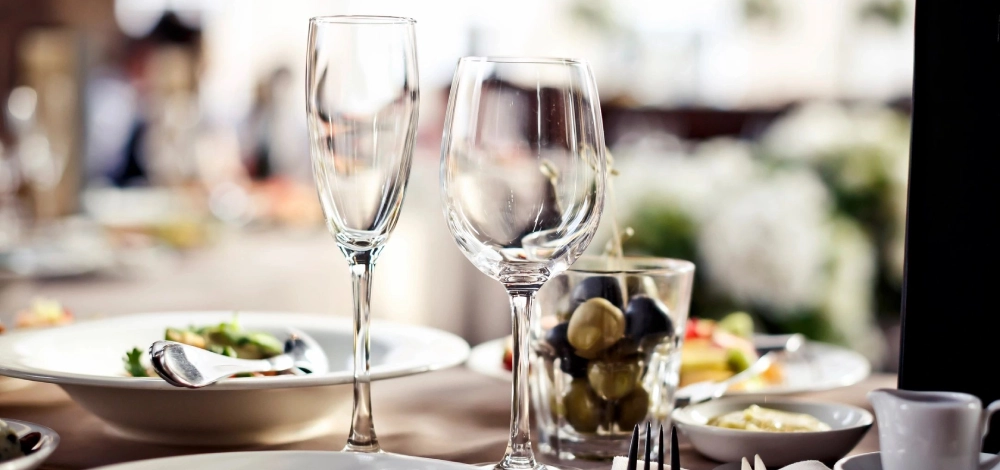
[(187, 366), (704, 391)]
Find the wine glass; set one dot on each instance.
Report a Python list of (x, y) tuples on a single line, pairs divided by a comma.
[(523, 173), (361, 106)]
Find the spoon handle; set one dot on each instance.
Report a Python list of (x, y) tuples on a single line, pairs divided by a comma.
[(187, 366)]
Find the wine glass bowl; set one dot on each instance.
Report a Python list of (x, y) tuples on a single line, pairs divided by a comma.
[(362, 113), (523, 164), (523, 174), (361, 106)]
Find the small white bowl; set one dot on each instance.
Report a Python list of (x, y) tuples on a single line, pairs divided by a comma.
[(85, 359), (849, 425), (49, 442)]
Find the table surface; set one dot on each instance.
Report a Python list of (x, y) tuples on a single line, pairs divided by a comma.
[(410, 418)]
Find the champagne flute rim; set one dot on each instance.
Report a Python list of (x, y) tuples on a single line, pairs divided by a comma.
[(363, 19), (524, 60), (634, 265)]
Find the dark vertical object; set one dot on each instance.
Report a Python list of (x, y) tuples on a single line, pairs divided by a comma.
[(950, 293)]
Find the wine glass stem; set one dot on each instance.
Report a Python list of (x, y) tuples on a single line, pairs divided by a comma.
[(519, 454), (362, 437)]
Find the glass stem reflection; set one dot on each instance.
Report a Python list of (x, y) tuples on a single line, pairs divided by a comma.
[(519, 454), (362, 437)]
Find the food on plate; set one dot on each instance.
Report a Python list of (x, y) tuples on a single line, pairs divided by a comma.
[(13, 446), (227, 338), (44, 312), (717, 350), (757, 418)]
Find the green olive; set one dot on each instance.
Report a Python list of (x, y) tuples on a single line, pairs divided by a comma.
[(626, 348), (641, 285), (632, 409), (583, 409), (614, 378), (556, 408), (595, 325)]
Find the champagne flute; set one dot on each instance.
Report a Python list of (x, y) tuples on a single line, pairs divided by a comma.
[(361, 105), (523, 173)]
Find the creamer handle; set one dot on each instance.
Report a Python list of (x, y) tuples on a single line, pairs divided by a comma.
[(987, 414)]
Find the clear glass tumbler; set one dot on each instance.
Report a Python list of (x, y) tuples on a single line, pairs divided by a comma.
[(606, 351)]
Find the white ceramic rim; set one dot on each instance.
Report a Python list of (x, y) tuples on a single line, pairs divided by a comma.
[(681, 415), (486, 359), (39, 455), (426, 349), (182, 460)]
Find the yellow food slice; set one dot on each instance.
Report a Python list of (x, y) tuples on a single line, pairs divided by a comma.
[(695, 376), (698, 355)]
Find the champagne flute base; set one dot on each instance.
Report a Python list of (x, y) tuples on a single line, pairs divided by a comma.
[(538, 466)]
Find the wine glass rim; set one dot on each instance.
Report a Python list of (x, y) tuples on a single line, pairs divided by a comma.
[(524, 60), (634, 265), (362, 19)]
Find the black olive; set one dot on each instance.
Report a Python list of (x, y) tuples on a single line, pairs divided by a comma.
[(29, 442), (569, 362), (605, 287), (646, 316)]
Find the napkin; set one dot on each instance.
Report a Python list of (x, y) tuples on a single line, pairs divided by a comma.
[(807, 465)]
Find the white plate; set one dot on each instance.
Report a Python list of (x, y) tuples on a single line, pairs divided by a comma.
[(49, 442), (873, 461), (828, 367), (67, 248), (848, 425), (85, 359), (291, 460)]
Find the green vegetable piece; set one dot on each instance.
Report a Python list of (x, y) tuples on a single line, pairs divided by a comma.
[(738, 360), (268, 345), (133, 366), (737, 323)]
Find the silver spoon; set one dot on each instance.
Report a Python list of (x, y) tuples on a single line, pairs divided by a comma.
[(187, 366)]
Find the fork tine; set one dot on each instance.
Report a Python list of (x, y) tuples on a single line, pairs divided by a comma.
[(633, 449), (659, 460), (675, 451), (649, 445)]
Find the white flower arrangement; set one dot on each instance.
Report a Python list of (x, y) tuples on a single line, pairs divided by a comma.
[(803, 222)]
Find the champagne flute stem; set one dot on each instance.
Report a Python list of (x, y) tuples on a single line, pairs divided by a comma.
[(519, 455), (362, 437)]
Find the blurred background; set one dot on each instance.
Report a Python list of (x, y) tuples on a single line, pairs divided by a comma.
[(154, 156)]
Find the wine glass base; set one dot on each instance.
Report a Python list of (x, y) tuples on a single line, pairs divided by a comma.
[(538, 466)]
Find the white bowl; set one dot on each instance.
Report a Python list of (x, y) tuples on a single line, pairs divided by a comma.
[(85, 359), (49, 442), (849, 425), (299, 460)]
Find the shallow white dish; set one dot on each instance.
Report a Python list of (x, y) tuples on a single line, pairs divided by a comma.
[(49, 442), (298, 460), (873, 461), (849, 425), (824, 367), (85, 359)]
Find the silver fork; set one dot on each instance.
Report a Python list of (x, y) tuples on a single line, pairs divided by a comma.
[(633, 450)]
